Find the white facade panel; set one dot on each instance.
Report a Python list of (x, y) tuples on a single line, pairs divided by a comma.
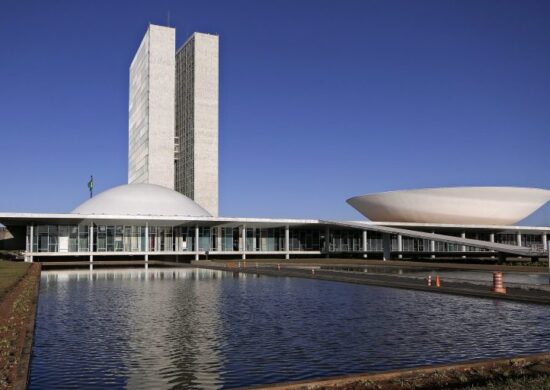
[(206, 121), (138, 115), (151, 109)]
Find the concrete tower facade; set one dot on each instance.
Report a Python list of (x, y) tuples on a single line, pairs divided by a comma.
[(173, 115), (151, 109), (197, 80)]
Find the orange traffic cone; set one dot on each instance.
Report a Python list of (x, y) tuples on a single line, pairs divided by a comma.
[(498, 284), (437, 281)]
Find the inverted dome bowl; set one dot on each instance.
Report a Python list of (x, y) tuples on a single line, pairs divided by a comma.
[(455, 205), (141, 199)]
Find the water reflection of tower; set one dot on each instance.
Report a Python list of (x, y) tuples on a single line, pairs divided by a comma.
[(183, 347)]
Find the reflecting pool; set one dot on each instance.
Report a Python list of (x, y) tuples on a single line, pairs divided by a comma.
[(191, 328)]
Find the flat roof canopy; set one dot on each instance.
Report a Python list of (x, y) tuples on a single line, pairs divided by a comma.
[(21, 219)]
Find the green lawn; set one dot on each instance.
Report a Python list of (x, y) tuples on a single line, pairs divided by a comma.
[(10, 273)]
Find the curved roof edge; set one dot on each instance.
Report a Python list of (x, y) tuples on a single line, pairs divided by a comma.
[(452, 205)]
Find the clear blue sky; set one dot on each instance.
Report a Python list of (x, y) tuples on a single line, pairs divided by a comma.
[(319, 100)]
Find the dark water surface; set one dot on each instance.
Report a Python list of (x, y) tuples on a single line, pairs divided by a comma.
[(510, 278), (189, 328)]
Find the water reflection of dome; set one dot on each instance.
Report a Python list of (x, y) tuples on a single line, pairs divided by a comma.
[(141, 199)]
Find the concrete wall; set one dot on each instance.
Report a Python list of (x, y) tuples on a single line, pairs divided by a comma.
[(206, 121), (138, 115), (151, 109), (175, 96), (162, 59)]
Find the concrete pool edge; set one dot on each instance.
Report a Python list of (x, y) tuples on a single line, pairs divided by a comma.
[(453, 288), (483, 370)]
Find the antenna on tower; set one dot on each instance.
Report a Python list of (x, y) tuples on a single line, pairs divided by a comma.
[(168, 19)]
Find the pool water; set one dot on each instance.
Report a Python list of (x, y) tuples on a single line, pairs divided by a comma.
[(191, 328)]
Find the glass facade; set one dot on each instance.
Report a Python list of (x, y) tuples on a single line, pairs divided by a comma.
[(343, 240), (185, 119), (60, 238), (121, 238), (531, 240), (181, 239)]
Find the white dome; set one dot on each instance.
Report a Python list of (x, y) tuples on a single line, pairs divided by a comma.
[(455, 205), (141, 199)]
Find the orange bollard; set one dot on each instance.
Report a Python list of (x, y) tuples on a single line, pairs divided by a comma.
[(437, 281), (498, 284), (429, 280)]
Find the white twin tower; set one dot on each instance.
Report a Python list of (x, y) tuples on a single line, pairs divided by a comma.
[(173, 115)]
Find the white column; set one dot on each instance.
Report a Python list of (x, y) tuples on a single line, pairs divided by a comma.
[(463, 235), (432, 247), (327, 241), (254, 239), (146, 245), (91, 238), (400, 246), (31, 243), (196, 242), (27, 243), (243, 241), (518, 238), (365, 244), (91, 245), (219, 243), (492, 239), (386, 246), (287, 242), (544, 241)]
